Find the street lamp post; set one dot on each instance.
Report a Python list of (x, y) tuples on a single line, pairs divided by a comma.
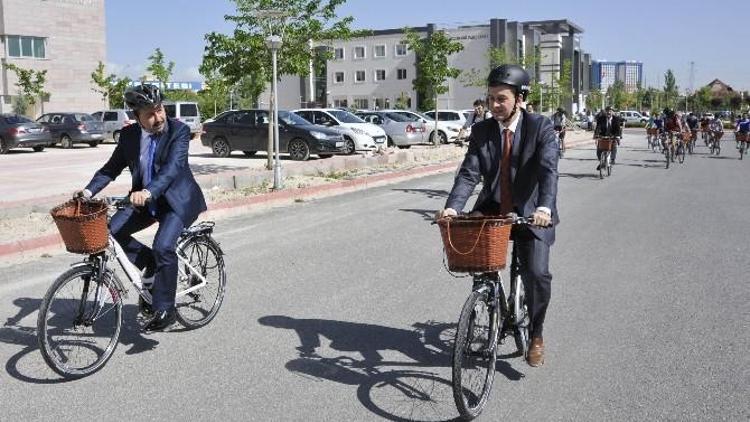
[(274, 43)]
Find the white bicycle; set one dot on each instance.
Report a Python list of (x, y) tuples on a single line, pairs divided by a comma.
[(81, 315)]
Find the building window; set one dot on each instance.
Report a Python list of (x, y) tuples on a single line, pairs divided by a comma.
[(400, 50), (359, 76), (340, 102), (338, 54), (338, 78), (379, 51), (380, 75), (361, 103), (401, 73), (359, 53), (18, 46)]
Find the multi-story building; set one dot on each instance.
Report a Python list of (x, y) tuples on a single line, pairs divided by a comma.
[(377, 71), (605, 73), (64, 37)]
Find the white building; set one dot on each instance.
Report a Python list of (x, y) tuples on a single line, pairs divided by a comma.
[(66, 38)]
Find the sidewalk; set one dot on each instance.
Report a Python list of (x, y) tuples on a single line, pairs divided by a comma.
[(420, 162)]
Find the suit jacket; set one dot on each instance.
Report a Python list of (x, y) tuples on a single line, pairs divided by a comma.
[(533, 170), (615, 128), (172, 183)]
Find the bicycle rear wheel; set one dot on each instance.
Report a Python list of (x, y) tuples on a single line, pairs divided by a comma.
[(198, 307), (79, 322), (474, 354), (681, 154)]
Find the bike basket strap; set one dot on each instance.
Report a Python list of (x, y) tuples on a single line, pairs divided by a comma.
[(475, 244), (605, 144), (82, 225)]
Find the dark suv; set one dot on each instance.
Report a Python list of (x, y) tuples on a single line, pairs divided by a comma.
[(73, 128), (247, 131), (18, 131)]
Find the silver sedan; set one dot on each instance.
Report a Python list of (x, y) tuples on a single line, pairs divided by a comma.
[(401, 131)]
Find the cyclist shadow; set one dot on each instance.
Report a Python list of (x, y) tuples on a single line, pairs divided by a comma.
[(418, 392), (25, 335)]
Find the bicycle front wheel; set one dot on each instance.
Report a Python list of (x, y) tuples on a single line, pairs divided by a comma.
[(197, 302), (474, 354), (79, 322), (521, 313)]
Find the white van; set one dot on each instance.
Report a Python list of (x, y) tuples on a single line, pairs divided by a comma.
[(186, 112)]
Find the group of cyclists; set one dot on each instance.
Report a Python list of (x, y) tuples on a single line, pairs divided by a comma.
[(676, 127)]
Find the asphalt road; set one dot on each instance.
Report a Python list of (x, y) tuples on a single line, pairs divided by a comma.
[(340, 310)]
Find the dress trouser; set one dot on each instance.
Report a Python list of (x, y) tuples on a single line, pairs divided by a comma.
[(533, 256), (163, 257)]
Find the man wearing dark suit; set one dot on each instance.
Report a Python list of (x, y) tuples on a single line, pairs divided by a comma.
[(515, 153), (607, 124), (163, 190)]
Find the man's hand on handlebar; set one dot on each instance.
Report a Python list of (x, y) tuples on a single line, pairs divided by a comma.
[(541, 219), (139, 198), (448, 212), (83, 193)]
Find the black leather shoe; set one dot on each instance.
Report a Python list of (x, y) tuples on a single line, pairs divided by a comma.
[(160, 320)]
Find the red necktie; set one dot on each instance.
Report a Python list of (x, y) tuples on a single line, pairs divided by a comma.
[(506, 193)]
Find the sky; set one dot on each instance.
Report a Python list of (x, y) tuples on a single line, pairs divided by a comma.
[(662, 34)]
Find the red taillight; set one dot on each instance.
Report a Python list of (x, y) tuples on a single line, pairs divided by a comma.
[(410, 129), (17, 131)]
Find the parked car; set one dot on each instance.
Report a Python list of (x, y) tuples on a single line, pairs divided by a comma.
[(114, 121), (630, 117), (186, 112), (247, 131), (18, 131), (446, 131), (73, 128), (401, 131), (359, 135)]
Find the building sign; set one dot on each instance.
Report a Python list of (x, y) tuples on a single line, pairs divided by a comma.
[(192, 86)]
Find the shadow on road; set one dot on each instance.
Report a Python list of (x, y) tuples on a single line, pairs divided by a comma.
[(430, 193), (414, 393), (579, 176), (12, 332), (427, 215)]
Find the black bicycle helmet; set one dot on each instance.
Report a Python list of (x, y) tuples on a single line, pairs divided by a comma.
[(143, 96), (512, 75)]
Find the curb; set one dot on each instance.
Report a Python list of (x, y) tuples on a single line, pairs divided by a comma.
[(53, 242)]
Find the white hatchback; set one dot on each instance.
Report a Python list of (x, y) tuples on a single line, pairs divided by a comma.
[(358, 134)]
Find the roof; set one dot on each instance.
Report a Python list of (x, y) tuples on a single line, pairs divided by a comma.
[(554, 26)]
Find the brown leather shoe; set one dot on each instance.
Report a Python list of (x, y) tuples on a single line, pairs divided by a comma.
[(536, 352)]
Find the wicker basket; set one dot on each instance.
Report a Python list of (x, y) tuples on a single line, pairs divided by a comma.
[(82, 225), (605, 144), (652, 131), (740, 137), (475, 244)]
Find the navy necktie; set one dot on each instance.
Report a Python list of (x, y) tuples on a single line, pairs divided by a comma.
[(153, 139)]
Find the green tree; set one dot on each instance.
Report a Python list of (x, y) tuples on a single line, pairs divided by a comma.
[(110, 87), (565, 85), (701, 99), (433, 72), (159, 68), (30, 84), (478, 77), (594, 100), (617, 97), (735, 102), (244, 53), (671, 92), (402, 102)]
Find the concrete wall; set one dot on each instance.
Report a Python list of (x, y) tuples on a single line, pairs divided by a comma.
[(75, 43)]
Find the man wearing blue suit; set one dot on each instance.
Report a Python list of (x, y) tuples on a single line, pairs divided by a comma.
[(163, 190), (515, 155)]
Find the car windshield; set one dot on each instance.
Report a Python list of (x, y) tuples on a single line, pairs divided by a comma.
[(15, 119), (83, 117), (345, 116), (292, 119), (426, 117)]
